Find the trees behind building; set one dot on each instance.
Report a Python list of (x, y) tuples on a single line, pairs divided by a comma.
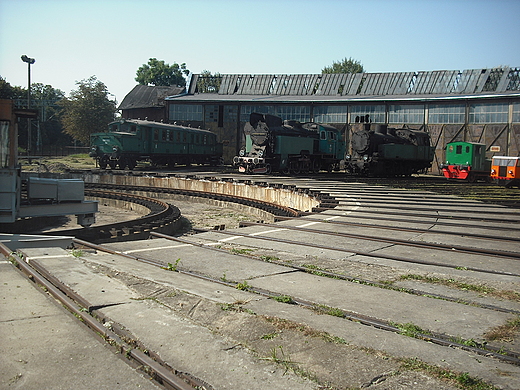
[(159, 73), (344, 66)]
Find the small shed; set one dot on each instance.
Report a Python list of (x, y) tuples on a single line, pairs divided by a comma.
[(147, 102)]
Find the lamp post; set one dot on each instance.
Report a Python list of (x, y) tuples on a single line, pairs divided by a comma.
[(29, 61)]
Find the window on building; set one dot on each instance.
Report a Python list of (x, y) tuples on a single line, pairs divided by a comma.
[(286, 112), (516, 112), (185, 112), (446, 113), (294, 113), (330, 114), (245, 111), (489, 113), (376, 113), (211, 113), (405, 113)]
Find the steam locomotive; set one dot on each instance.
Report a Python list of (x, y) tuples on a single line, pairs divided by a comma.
[(128, 141), (272, 144), (386, 151)]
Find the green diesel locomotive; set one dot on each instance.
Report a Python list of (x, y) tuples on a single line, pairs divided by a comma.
[(129, 141)]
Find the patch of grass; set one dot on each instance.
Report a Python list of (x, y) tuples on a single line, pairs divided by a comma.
[(243, 251), (278, 356), (269, 258), (283, 324), (485, 290), (173, 267), (410, 330), (331, 311), (466, 342), (244, 286), (284, 299), (269, 336), (506, 332), (463, 380), (77, 252)]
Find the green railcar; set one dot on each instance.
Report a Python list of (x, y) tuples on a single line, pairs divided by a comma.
[(466, 161), (129, 141)]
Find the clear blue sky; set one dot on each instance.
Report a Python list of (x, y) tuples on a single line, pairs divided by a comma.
[(72, 40)]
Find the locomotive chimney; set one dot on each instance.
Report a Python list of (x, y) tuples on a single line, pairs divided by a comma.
[(381, 129)]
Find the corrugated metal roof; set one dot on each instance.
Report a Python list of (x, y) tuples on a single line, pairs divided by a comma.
[(144, 96), (407, 85)]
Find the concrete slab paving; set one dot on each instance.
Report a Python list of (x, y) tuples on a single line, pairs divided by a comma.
[(45, 347), (430, 314), (502, 375)]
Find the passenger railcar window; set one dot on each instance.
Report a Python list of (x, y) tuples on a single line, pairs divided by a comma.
[(467, 149), (156, 134), (184, 137), (459, 149), (178, 136), (323, 135), (133, 129), (164, 135)]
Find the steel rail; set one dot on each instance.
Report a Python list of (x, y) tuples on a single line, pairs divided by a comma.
[(412, 214), (388, 205), (161, 214), (419, 222), (423, 245), (505, 356), (401, 229), (61, 293)]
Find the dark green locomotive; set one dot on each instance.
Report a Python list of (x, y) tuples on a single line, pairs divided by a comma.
[(129, 141), (272, 144)]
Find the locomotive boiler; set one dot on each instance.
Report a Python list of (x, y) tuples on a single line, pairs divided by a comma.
[(386, 151)]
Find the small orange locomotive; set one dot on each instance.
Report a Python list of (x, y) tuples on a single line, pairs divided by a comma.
[(506, 170)]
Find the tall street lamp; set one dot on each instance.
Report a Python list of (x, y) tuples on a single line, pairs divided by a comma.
[(29, 61)]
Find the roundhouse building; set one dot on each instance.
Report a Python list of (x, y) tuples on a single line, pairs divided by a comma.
[(478, 105)]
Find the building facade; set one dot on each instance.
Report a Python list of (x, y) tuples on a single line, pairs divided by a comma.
[(478, 105)]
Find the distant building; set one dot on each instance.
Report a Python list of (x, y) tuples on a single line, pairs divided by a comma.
[(148, 102)]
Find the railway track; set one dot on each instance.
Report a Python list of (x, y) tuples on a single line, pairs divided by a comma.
[(501, 354), (305, 256)]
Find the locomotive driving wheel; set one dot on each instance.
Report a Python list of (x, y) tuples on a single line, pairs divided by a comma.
[(112, 164), (102, 162)]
